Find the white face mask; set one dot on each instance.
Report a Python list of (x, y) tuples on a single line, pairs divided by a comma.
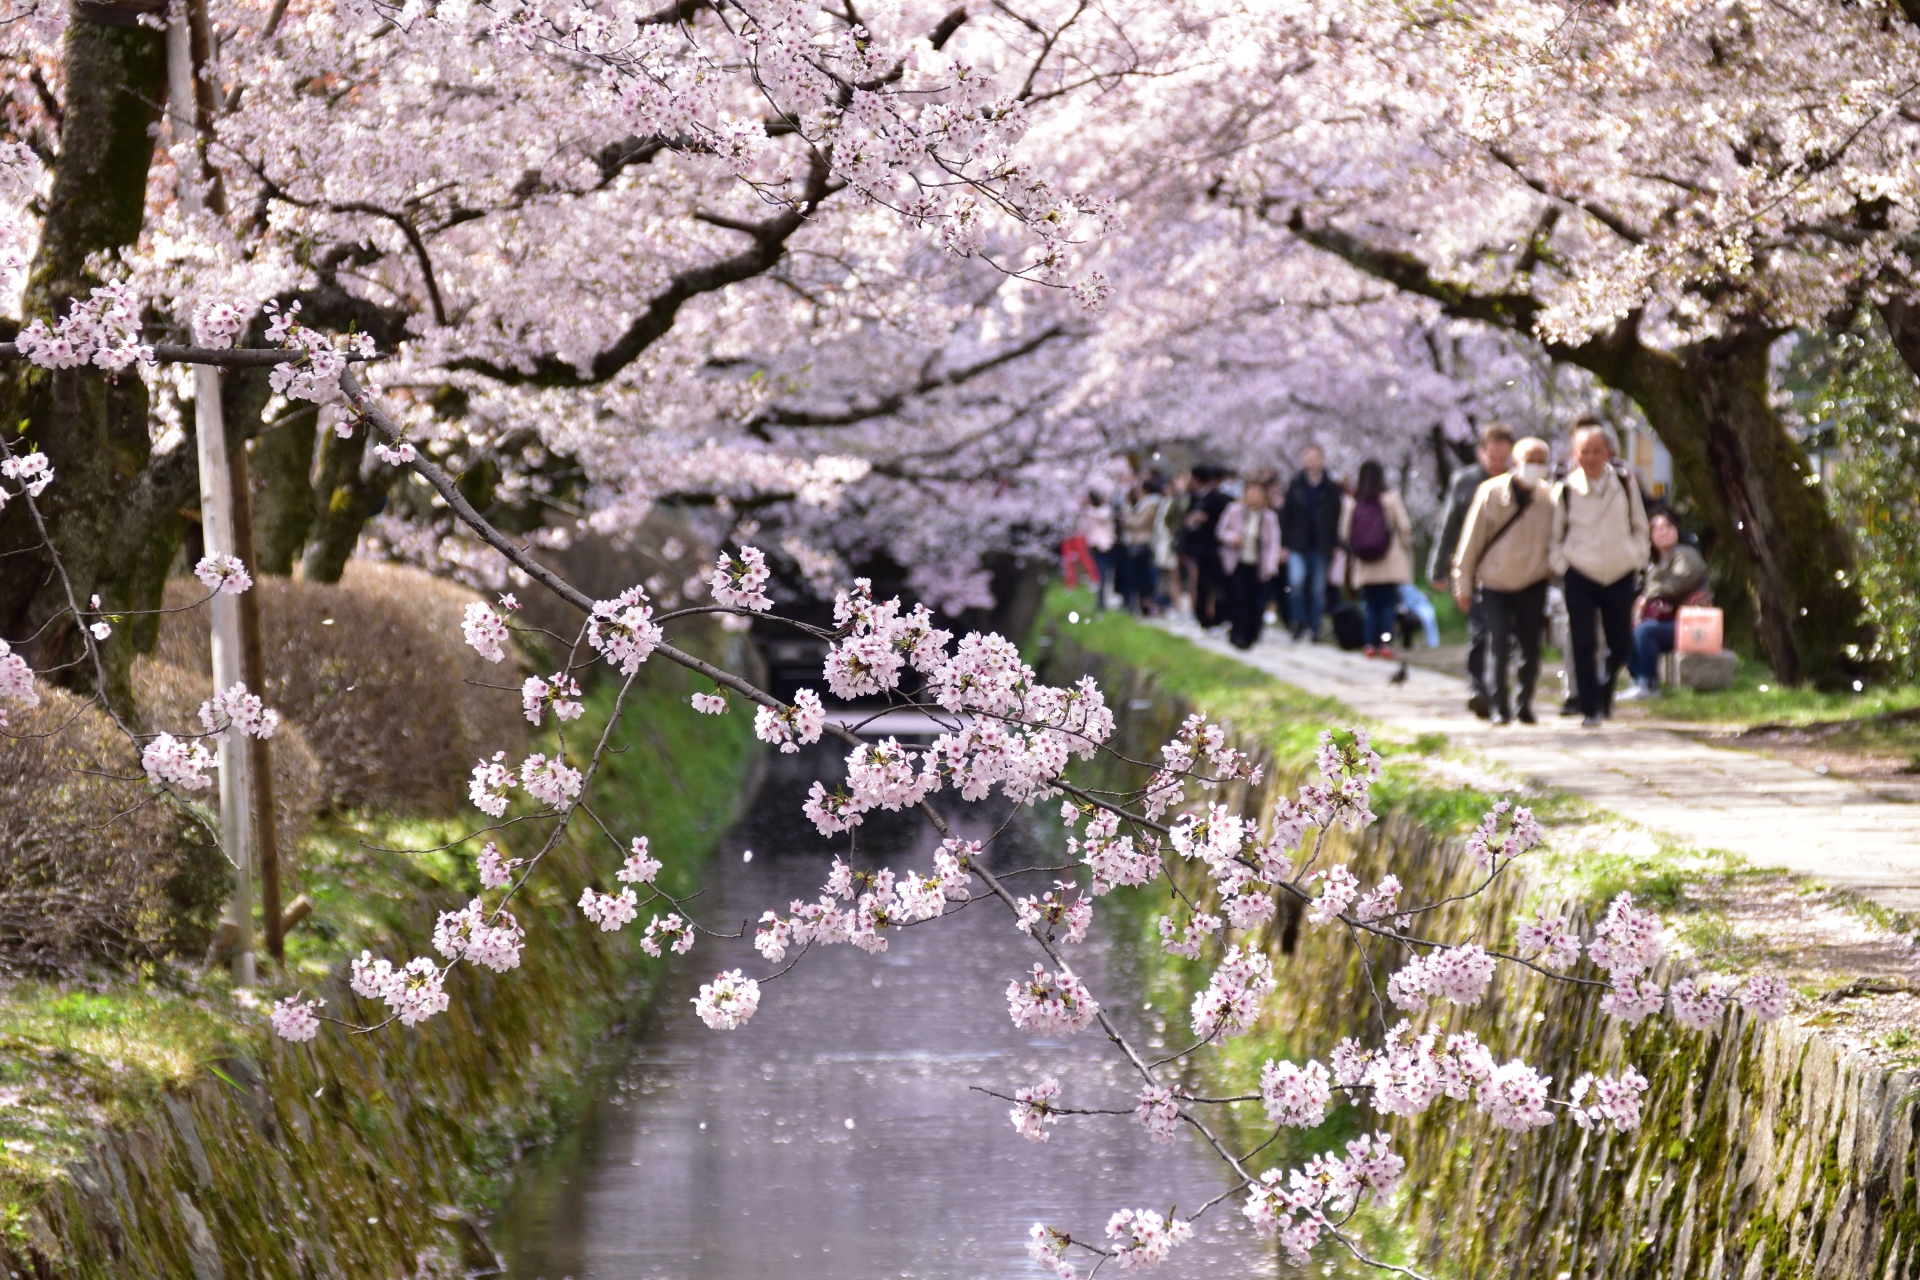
[(1533, 472)]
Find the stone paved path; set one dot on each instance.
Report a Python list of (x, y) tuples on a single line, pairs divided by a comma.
[(1773, 813)]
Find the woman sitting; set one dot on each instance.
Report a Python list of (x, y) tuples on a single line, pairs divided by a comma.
[(1677, 576)]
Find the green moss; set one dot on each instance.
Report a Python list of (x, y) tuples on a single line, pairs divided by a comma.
[(354, 1155)]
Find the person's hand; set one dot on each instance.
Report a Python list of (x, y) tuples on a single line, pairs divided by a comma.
[(1463, 600), (1438, 584)]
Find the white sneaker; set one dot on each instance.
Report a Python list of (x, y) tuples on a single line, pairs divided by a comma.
[(1638, 693)]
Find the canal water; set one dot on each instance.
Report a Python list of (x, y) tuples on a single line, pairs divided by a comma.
[(836, 1136)]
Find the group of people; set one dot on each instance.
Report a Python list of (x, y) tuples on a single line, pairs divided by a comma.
[(1623, 567), (1218, 544), (1231, 548)]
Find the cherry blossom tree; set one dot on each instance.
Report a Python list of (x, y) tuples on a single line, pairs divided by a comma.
[(1656, 194)]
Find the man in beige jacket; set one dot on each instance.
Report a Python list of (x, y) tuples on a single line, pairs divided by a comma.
[(1503, 565), (1600, 544)]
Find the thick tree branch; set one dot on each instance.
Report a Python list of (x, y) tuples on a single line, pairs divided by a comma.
[(762, 423)]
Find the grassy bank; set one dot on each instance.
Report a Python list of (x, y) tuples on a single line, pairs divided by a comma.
[(112, 1084)]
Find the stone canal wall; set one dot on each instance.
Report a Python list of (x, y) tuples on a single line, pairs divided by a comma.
[(1766, 1152)]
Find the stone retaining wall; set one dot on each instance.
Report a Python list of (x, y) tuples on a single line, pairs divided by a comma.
[(1766, 1152)]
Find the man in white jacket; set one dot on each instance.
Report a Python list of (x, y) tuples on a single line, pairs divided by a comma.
[(1600, 545)]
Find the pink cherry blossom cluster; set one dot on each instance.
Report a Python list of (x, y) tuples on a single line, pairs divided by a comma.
[(742, 584), (640, 866), (1048, 1247), (1050, 1002), (102, 330), (223, 574), (315, 376), (611, 911), (171, 762), (412, 992), (1186, 940), (216, 324), (552, 782), (487, 788), (792, 726), (1296, 1096), (485, 631), (560, 693), (1232, 1001), (1460, 974), (1143, 1238), (1158, 1111), (1616, 1100), (709, 704), (495, 872), (623, 630), (1504, 834), (492, 940), (1299, 1205), (398, 454), (31, 470), (295, 1019), (669, 931), (1349, 766), (236, 710), (728, 1001), (1033, 1109), (1062, 910), (1627, 944), (880, 643), (1550, 940)]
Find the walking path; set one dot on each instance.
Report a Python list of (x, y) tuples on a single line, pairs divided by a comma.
[(1771, 812)]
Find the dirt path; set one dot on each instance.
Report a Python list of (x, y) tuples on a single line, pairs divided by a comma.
[(1769, 811)]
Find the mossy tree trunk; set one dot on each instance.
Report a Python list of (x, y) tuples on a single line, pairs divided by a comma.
[(115, 510)]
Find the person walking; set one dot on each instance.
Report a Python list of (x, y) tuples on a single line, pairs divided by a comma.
[(1310, 533), (1139, 518), (1501, 568), (1178, 570), (1203, 521), (1493, 457), (1600, 544), (1677, 577), (1250, 555), (1091, 544), (1378, 538)]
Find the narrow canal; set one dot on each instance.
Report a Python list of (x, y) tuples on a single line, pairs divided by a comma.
[(836, 1135)]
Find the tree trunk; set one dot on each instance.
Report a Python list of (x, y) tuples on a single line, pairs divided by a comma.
[(282, 461), (1749, 479), (346, 496), (114, 510)]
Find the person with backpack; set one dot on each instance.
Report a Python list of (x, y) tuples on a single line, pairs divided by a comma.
[(1599, 544), (1378, 538), (1203, 544), (1502, 567), (1310, 530)]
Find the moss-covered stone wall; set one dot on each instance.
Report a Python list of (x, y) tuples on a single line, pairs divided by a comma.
[(1765, 1152), (364, 1157)]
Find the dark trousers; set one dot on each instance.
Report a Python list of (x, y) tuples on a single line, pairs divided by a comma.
[(1210, 591), (1137, 578), (1650, 640), (1613, 602), (1381, 601), (1479, 640), (1514, 616), (1307, 584), (1246, 606)]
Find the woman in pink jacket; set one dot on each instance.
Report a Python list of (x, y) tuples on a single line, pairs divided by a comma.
[(1250, 556)]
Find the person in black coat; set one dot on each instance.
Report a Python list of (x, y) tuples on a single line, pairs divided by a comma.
[(1203, 519), (1495, 456), (1310, 530)]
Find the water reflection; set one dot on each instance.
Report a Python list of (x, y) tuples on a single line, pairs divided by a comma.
[(836, 1135)]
